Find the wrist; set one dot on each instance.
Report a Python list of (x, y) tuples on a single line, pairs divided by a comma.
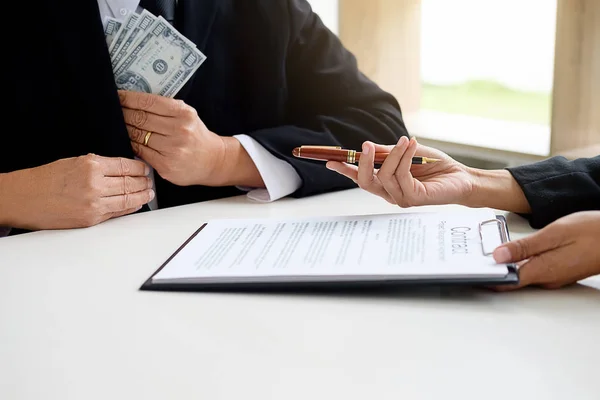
[(234, 167), (496, 189), (479, 188), (8, 200)]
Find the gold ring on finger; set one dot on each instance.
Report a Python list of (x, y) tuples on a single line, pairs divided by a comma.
[(147, 138)]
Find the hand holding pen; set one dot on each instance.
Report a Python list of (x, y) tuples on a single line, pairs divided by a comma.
[(400, 181)]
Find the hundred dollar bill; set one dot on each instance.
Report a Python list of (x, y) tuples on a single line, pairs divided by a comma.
[(111, 27), (122, 34), (184, 75), (160, 63), (143, 23)]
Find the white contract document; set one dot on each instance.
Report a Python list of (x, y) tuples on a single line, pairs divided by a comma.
[(367, 248)]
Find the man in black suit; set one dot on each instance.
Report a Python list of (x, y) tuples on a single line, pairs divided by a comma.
[(275, 78)]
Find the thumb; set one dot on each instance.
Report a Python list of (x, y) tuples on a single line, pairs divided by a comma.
[(525, 248)]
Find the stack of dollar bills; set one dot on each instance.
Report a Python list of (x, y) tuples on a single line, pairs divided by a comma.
[(149, 55)]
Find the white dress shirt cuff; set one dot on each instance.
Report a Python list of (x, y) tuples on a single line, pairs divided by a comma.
[(280, 178)]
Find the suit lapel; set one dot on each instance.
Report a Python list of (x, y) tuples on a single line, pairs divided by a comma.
[(83, 50), (195, 19)]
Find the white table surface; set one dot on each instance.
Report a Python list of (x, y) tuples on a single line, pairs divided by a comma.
[(75, 326)]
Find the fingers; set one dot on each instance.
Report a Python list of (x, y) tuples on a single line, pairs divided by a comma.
[(557, 268), (352, 172), (403, 175), (366, 177), (423, 151), (386, 174), (524, 280), (156, 141), (364, 174), (123, 202), (118, 166), (125, 185), (151, 103), (394, 181), (538, 270), (148, 154), (389, 166), (535, 254), (366, 166), (380, 148), (146, 121), (108, 216), (551, 270), (522, 249), (349, 171), (122, 213), (509, 287), (558, 255)]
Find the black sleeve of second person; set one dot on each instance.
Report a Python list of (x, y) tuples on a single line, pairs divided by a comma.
[(557, 187), (332, 103)]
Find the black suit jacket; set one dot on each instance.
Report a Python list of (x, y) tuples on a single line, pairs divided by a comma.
[(273, 72), (557, 187)]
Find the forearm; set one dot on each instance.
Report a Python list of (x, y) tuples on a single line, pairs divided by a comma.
[(497, 189), (8, 197), (3, 201)]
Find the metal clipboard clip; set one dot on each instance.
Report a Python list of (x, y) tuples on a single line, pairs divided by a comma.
[(502, 228)]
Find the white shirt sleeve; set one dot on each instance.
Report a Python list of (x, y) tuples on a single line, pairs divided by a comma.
[(280, 178)]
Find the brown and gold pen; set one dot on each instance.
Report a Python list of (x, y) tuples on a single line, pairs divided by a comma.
[(333, 153)]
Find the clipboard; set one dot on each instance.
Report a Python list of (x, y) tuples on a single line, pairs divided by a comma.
[(511, 278)]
